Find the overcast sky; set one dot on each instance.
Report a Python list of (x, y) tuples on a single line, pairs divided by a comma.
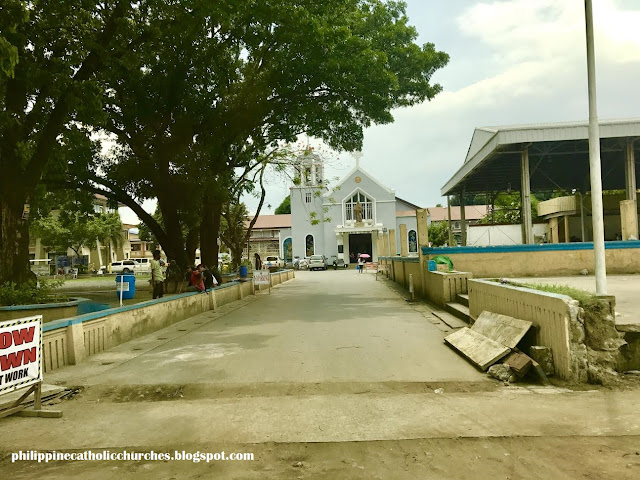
[(512, 62)]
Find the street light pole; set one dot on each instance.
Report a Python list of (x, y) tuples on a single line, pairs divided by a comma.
[(594, 159)]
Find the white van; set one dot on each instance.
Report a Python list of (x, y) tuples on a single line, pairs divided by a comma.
[(144, 264)]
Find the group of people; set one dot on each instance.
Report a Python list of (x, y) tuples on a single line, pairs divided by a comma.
[(199, 279)]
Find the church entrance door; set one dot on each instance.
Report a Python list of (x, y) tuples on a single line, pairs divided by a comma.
[(359, 243)]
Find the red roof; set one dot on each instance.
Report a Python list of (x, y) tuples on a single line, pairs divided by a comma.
[(271, 221), (471, 212)]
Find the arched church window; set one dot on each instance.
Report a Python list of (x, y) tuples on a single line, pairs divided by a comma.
[(309, 250), (350, 205), (413, 241)]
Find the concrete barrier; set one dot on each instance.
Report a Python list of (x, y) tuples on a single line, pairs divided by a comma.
[(49, 311), (442, 287), (550, 259), (555, 318), (68, 341)]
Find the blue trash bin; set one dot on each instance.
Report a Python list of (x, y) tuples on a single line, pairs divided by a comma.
[(244, 271), (128, 287)]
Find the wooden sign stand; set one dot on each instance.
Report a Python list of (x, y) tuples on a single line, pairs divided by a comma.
[(20, 410)]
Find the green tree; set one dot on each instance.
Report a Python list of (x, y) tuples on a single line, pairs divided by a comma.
[(285, 206), (507, 209), (438, 234), (233, 230), (50, 54), (68, 229), (219, 86)]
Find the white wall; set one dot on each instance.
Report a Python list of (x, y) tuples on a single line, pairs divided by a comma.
[(483, 235)]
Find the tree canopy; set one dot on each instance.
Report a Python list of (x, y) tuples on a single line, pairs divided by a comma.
[(284, 207), (196, 96)]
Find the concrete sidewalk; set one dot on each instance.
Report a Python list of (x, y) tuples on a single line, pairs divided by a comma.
[(543, 412)]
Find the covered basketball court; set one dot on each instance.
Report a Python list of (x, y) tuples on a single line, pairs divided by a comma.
[(550, 157)]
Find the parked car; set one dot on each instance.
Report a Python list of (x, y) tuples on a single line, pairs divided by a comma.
[(317, 262), (273, 262), (124, 266), (144, 265)]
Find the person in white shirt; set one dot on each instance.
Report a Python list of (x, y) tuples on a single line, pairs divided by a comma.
[(157, 276)]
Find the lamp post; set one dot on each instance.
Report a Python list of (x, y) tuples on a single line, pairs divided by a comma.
[(594, 159)]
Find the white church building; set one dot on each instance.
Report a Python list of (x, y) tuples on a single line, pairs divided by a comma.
[(345, 220)]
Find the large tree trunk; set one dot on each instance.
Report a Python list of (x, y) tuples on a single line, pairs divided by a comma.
[(209, 231), (192, 244), (14, 242)]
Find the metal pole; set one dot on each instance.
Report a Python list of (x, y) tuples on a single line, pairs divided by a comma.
[(594, 159)]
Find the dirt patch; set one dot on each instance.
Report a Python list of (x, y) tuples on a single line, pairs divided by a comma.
[(163, 392)]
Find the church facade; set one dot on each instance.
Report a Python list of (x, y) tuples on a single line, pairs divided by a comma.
[(346, 220)]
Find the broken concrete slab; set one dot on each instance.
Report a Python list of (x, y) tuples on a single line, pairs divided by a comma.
[(505, 330), (480, 350)]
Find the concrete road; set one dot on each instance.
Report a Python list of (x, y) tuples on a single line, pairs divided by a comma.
[(333, 326), (332, 375)]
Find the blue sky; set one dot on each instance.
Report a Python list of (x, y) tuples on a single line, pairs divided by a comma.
[(512, 62)]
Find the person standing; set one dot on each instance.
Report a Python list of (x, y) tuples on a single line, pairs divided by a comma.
[(258, 261), (157, 277), (360, 263)]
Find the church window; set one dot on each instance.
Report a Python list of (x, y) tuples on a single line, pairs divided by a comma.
[(307, 198), (309, 247), (350, 207), (413, 241)]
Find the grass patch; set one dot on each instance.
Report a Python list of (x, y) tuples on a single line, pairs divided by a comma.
[(586, 299)]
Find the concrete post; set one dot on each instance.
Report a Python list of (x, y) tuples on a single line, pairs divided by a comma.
[(553, 230), (422, 215), (75, 344), (463, 219), (379, 246), (582, 226), (392, 251), (392, 243), (629, 220), (385, 244), (525, 198), (567, 233), (631, 226), (595, 165), (449, 220), (404, 242)]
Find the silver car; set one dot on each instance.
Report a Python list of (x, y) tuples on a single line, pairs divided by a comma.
[(317, 262)]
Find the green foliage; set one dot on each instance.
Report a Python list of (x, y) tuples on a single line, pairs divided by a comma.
[(233, 230), (438, 233), (507, 209), (284, 207), (75, 226), (12, 294), (469, 199)]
